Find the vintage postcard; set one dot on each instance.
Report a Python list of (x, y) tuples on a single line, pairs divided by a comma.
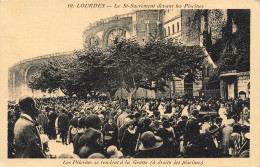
[(122, 83)]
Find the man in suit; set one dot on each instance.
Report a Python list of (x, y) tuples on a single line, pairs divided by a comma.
[(63, 125), (26, 136)]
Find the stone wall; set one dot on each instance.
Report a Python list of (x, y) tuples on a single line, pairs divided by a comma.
[(19, 74), (191, 27), (243, 83)]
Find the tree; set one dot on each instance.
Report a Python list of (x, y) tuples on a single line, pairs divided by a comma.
[(48, 78), (91, 73), (57, 73), (135, 66), (78, 74), (124, 64)]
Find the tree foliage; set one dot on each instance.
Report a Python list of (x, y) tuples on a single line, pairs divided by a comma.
[(123, 64)]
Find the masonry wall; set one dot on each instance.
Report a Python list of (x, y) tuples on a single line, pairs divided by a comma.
[(243, 83)]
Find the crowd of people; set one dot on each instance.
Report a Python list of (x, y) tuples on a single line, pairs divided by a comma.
[(148, 128)]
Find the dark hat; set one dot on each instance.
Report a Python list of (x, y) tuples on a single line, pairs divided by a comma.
[(147, 121), (164, 119), (166, 124), (92, 121), (150, 141), (195, 112), (184, 117), (137, 115), (81, 122), (171, 120)]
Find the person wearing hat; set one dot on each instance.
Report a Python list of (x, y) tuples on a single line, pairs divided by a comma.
[(51, 126), (151, 146), (110, 133), (81, 131), (192, 128), (180, 127), (206, 125), (218, 123), (43, 121), (82, 114), (63, 125), (93, 144), (146, 125), (113, 152), (92, 123), (26, 136), (129, 140), (168, 137), (207, 145), (73, 125)]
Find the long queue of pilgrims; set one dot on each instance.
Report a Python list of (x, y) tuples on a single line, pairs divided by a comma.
[(149, 128)]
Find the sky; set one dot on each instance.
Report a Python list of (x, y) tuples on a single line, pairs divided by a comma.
[(36, 28), (31, 28)]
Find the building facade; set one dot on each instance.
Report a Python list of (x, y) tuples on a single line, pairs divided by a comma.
[(202, 28)]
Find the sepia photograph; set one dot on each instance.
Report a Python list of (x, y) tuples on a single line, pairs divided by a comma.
[(126, 81)]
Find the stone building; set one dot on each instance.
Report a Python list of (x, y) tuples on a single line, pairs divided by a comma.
[(234, 84), (204, 28), (19, 74)]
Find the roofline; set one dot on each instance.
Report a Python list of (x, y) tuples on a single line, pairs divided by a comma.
[(42, 57)]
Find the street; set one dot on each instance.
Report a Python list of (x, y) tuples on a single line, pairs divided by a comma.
[(58, 148)]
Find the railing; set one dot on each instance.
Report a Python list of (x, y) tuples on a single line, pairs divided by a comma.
[(42, 57), (102, 21)]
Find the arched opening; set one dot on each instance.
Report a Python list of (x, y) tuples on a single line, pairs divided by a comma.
[(30, 71), (117, 33), (188, 85), (92, 41)]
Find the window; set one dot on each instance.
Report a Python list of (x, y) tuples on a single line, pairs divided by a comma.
[(169, 31), (164, 32), (178, 27), (173, 29)]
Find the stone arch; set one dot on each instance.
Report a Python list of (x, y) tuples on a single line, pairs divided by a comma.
[(91, 40), (30, 70), (121, 32)]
